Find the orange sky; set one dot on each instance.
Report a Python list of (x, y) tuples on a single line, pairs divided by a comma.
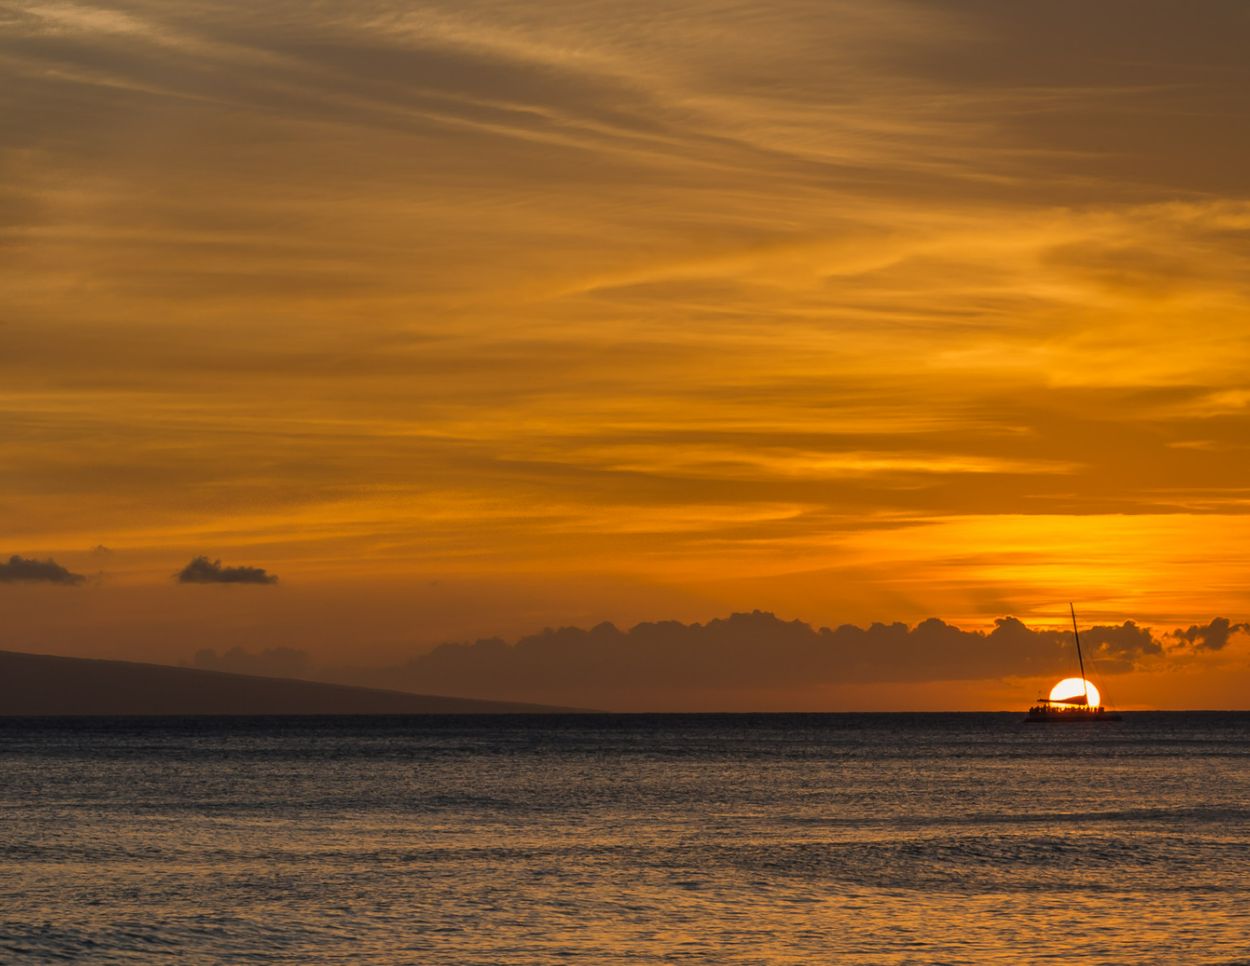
[(466, 319)]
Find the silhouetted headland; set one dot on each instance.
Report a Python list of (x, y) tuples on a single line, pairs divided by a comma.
[(40, 684)]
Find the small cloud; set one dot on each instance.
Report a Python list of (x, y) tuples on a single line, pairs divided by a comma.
[(100, 550), (27, 570), (201, 570), (1125, 641), (1209, 637), (275, 662)]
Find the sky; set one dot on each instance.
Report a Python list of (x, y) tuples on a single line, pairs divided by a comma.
[(358, 328)]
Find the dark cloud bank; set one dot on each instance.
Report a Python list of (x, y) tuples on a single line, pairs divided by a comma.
[(668, 664), (201, 570), (27, 570), (758, 650)]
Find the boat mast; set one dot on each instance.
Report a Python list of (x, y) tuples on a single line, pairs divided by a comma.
[(1080, 660)]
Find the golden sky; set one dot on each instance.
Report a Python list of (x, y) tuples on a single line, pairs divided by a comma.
[(465, 319)]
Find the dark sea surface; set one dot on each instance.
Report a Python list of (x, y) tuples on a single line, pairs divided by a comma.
[(963, 838)]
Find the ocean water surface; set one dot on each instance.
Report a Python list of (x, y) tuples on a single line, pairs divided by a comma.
[(878, 839)]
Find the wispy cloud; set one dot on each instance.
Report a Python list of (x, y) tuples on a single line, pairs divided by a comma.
[(714, 296)]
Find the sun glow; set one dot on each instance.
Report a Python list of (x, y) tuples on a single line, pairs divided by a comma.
[(1070, 688)]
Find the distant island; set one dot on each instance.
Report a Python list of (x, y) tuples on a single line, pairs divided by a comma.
[(41, 684)]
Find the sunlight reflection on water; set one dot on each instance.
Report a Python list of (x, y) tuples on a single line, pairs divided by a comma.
[(779, 839)]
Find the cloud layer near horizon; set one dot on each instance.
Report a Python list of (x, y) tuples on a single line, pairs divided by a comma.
[(746, 661)]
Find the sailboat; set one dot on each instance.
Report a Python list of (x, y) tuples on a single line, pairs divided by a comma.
[(1080, 701)]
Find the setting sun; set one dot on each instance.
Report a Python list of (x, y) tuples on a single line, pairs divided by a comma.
[(1075, 688)]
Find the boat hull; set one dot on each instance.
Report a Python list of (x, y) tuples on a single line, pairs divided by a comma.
[(1037, 716)]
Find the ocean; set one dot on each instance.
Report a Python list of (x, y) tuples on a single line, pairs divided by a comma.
[(606, 839)]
